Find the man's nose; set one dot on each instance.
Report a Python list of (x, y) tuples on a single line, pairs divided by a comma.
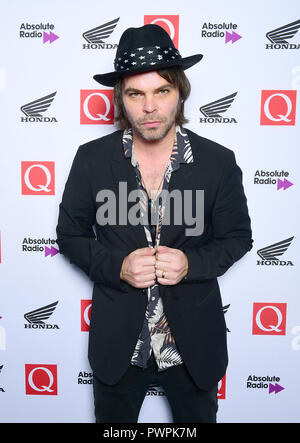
[(149, 104)]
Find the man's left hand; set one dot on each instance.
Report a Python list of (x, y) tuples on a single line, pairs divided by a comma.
[(171, 265)]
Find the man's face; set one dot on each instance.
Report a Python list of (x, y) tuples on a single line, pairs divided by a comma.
[(151, 105)]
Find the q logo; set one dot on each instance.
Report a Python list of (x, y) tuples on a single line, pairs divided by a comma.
[(222, 388), (41, 379), (278, 107), (38, 178), (96, 107), (86, 306), (170, 23), (269, 319)]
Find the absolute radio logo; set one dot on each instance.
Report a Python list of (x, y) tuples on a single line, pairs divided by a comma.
[(40, 379), (36, 319), (270, 254), (96, 107), (269, 319), (225, 31), (96, 37), (280, 37), (278, 107), (40, 245), (38, 177), (38, 31), (35, 109), (85, 378), (276, 178), (170, 23), (267, 382), (213, 112)]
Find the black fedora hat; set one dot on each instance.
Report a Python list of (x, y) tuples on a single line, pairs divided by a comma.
[(143, 49)]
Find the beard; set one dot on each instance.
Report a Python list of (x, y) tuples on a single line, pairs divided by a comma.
[(155, 133)]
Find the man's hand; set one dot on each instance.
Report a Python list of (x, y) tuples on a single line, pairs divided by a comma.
[(172, 263), (138, 268)]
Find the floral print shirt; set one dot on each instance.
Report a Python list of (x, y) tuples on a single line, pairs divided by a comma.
[(156, 335)]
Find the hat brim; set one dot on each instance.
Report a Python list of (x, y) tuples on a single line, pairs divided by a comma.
[(111, 78)]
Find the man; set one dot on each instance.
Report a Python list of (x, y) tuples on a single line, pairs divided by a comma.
[(157, 312)]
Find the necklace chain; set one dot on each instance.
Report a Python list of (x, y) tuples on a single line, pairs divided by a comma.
[(149, 192)]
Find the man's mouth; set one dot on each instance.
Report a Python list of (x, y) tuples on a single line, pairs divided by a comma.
[(151, 123)]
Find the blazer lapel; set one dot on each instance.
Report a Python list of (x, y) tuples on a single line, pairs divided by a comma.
[(123, 171), (181, 179)]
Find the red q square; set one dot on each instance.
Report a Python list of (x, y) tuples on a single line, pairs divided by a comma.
[(222, 388), (269, 319), (86, 306), (169, 23), (41, 379), (38, 178), (96, 107), (278, 107)]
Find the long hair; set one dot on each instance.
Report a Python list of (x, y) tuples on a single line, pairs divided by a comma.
[(175, 76)]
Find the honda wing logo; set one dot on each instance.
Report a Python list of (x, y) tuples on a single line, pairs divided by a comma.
[(280, 37), (97, 36), (225, 309), (35, 109), (284, 33), (155, 389), (213, 111), (270, 254), (36, 318)]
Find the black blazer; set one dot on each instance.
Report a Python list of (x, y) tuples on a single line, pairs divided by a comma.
[(193, 307)]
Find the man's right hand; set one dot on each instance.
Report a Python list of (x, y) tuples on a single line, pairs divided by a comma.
[(138, 268)]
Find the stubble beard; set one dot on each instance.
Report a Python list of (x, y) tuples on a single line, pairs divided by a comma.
[(153, 134)]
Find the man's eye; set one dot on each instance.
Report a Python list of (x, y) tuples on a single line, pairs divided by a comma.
[(163, 91), (134, 94)]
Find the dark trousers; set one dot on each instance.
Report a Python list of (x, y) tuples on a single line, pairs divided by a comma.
[(121, 403)]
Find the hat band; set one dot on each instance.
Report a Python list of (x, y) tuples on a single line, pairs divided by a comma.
[(145, 56)]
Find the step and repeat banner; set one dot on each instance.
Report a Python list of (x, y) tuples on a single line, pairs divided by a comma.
[(245, 96)]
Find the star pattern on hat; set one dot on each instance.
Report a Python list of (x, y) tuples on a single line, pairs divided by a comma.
[(146, 56)]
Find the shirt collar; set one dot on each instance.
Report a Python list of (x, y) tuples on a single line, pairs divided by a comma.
[(181, 153)]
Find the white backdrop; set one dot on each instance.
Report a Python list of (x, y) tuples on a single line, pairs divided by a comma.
[(44, 371)]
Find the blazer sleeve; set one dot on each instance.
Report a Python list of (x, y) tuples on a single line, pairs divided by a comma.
[(75, 233), (231, 229)]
